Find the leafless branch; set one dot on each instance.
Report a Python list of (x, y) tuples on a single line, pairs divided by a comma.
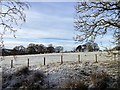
[(11, 16), (96, 18)]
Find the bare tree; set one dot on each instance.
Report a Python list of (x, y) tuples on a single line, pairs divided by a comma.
[(50, 48), (58, 49), (41, 48), (12, 15), (97, 18), (19, 50), (32, 48)]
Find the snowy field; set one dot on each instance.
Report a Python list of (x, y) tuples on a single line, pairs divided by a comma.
[(38, 59), (58, 76)]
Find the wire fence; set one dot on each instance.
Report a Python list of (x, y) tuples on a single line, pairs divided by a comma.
[(45, 59)]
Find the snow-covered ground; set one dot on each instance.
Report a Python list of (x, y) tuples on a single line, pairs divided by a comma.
[(37, 59), (61, 75), (57, 75), (0, 78)]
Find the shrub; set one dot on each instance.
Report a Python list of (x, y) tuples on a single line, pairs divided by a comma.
[(34, 81), (24, 79)]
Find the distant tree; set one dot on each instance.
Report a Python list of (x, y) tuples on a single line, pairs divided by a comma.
[(12, 15), (19, 50), (6, 52), (32, 49), (36, 46), (97, 18), (59, 49), (14, 52), (50, 48), (89, 46), (41, 48)]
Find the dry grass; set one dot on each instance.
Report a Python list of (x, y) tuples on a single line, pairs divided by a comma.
[(21, 71), (34, 81), (24, 79), (74, 85), (99, 80)]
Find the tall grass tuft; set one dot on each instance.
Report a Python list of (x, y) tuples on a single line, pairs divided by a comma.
[(75, 85), (22, 71), (100, 80), (24, 79), (34, 82)]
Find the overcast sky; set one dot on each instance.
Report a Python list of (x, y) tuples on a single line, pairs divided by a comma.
[(49, 23)]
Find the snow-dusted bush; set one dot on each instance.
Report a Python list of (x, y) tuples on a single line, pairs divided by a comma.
[(23, 79)]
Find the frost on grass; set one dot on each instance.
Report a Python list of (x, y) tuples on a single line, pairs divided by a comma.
[(23, 79), (69, 75)]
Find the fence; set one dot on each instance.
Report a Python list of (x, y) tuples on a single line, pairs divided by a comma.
[(44, 59)]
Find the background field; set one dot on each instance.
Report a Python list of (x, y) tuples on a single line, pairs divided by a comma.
[(38, 59)]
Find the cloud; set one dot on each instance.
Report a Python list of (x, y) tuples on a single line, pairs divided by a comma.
[(41, 34), (33, 16), (13, 43)]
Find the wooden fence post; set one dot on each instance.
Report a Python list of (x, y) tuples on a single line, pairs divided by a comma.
[(44, 60), (11, 63), (28, 63), (61, 59), (96, 61), (78, 58), (114, 56)]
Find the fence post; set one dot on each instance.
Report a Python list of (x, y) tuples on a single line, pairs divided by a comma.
[(114, 56), (11, 63), (61, 59), (78, 58), (96, 61), (44, 60), (28, 63)]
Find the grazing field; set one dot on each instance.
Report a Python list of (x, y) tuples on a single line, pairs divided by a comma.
[(38, 59)]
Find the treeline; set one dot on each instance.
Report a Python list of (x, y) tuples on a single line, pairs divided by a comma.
[(32, 49)]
